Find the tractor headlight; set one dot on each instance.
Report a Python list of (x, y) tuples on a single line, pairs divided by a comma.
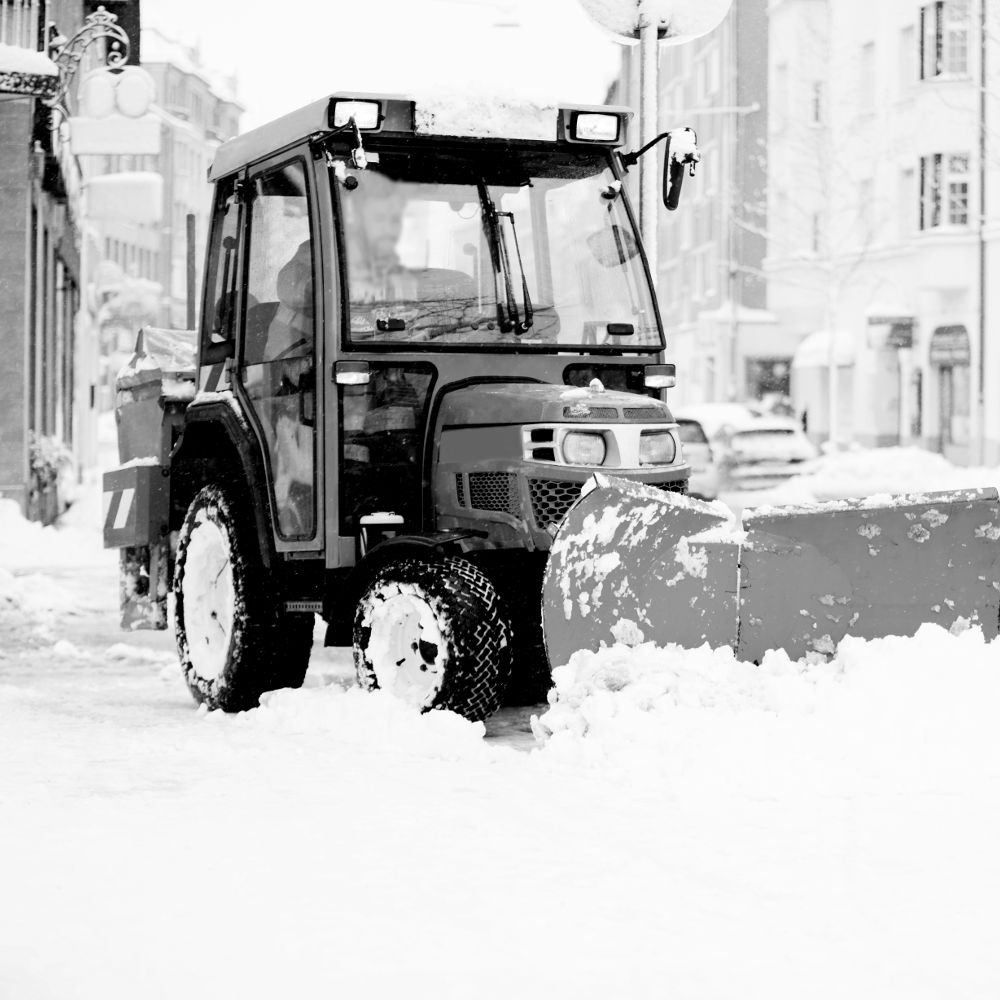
[(584, 448), (657, 448)]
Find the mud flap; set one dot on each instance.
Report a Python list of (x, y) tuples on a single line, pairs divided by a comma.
[(626, 552), (797, 579), (145, 582), (136, 512)]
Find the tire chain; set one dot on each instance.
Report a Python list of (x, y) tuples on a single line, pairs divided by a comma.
[(474, 681)]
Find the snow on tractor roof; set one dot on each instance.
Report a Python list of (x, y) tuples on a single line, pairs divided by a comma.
[(493, 116), (485, 117)]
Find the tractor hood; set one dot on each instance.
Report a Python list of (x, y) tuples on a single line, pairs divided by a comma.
[(534, 403)]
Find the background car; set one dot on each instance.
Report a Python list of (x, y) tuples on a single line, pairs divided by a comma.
[(704, 480), (751, 451)]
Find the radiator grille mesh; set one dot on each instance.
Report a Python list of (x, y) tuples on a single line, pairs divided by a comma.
[(494, 491)]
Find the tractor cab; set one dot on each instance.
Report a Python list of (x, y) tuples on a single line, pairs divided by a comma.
[(371, 255)]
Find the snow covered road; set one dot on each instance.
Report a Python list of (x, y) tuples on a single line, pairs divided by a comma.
[(692, 828)]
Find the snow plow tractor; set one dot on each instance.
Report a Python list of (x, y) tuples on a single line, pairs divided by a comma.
[(425, 401), (421, 332)]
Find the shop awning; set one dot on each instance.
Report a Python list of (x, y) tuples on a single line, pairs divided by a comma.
[(814, 350), (950, 346)]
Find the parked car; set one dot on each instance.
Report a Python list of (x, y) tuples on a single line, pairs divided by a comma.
[(751, 451), (704, 481)]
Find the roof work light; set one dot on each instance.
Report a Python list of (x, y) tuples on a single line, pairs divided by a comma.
[(367, 115), (592, 126)]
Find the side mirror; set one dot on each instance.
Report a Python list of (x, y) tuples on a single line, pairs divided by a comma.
[(681, 152), (673, 178)]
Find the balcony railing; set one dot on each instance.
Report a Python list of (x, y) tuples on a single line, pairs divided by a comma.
[(19, 23)]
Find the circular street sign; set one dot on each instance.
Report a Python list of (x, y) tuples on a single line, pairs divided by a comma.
[(97, 94), (677, 21), (136, 91)]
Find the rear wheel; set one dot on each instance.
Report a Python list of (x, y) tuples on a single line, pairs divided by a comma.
[(234, 639), (433, 633)]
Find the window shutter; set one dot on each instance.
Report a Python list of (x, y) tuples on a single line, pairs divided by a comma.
[(923, 189), (922, 45), (936, 191), (939, 37)]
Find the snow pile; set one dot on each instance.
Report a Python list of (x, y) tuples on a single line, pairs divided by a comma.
[(15, 59), (489, 116), (363, 719), (883, 716), (73, 542), (122, 651), (865, 471)]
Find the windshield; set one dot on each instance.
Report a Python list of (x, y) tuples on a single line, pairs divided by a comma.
[(517, 249)]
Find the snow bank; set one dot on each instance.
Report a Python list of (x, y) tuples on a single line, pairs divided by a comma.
[(363, 719), (882, 714), (866, 471), (74, 542)]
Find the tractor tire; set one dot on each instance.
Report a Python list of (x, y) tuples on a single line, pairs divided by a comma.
[(432, 631), (234, 638), (520, 587)]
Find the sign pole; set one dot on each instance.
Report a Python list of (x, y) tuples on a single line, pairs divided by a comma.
[(648, 58)]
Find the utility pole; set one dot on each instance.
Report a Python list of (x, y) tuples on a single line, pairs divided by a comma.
[(651, 22), (981, 374), (648, 126)]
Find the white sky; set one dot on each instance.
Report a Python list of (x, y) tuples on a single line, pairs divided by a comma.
[(554, 52)]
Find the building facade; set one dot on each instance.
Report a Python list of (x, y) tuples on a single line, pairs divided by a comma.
[(884, 204), (39, 259), (712, 292), (141, 274)]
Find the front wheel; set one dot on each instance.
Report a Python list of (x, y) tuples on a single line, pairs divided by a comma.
[(234, 638), (433, 633)]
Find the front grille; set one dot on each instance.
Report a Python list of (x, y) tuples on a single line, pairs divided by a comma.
[(593, 413), (494, 491), (642, 413), (460, 489), (676, 486), (550, 499)]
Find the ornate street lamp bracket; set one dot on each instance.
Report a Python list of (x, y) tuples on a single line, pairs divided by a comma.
[(67, 53)]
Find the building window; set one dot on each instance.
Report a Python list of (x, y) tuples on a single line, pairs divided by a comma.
[(711, 272), (781, 216), (944, 39), (907, 197), (816, 242), (866, 203), (713, 70), (781, 95), (866, 98), (944, 190), (907, 59)]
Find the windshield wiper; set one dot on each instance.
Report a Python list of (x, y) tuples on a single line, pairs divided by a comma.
[(508, 318), (529, 313)]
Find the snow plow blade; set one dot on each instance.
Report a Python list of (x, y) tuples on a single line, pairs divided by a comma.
[(791, 578)]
